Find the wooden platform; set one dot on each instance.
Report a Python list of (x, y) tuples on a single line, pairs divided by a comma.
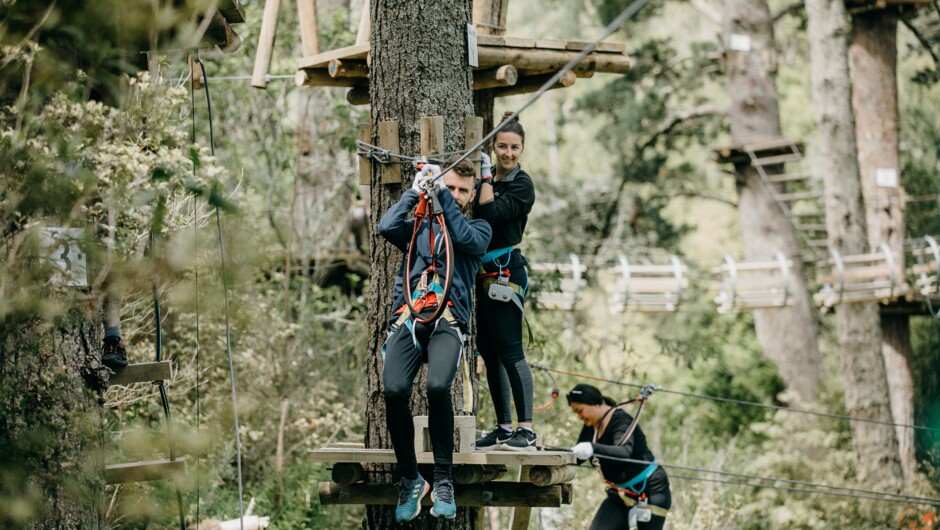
[(141, 373), (387, 456), (530, 62), (144, 471), (488, 494)]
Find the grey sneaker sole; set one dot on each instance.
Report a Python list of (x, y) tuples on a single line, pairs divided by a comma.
[(494, 447), (507, 447)]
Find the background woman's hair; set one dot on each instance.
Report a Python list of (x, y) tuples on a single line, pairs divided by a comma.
[(514, 126), (588, 395)]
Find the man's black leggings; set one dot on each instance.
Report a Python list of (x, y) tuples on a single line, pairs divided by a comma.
[(402, 361), (499, 339)]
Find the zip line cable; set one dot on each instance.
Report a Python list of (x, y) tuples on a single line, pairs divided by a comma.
[(841, 491), (733, 401), (228, 329)]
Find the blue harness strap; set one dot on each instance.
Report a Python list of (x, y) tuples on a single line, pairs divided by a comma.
[(642, 477), (494, 255)]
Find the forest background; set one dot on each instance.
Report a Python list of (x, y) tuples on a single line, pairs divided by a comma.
[(285, 171)]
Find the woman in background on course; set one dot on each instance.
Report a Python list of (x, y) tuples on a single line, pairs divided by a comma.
[(629, 483), (504, 201)]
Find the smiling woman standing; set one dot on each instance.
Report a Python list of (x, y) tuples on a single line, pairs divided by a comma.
[(504, 201)]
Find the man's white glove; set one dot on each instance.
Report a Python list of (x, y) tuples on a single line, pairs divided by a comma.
[(583, 450), (420, 182), (424, 179), (486, 170)]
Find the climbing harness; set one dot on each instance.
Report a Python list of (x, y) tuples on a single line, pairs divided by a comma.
[(433, 293), (635, 488), (499, 288)]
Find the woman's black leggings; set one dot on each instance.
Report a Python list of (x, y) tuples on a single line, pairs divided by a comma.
[(499, 339), (614, 514), (402, 361)]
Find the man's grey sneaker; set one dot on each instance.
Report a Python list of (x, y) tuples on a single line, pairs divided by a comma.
[(522, 440), (443, 497), (493, 439), (410, 493)]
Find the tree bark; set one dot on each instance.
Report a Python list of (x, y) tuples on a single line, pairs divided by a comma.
[(419, 68), (875, 102), (50, 420), (857, 325), (787, 335)]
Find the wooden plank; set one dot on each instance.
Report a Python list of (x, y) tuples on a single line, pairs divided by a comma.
[(855, 274), (505, 75), (144, 471), (503, 41), (790, 177), (322, 60), (348, 68), (141, 373), (265, 44), (540, 59), (777, 159), (657, 285), (309, 31), (799, 196), (521, 514), (551, 475), (232, 11), (608, 47), (432, 135), (321, 77), (363, 33), (388, 139), (365, 165), (473, 133), (487, 494), (551, 44), (387, 456)]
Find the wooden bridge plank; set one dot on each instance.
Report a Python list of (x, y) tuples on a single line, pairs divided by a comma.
[(141, 373), (144, 471)]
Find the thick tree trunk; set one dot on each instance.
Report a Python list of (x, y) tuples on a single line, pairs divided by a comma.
[(875, 101), (50, 421), (857, 325), (787, 335), (419, 68)]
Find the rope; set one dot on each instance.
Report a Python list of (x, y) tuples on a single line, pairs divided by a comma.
[(228, 328), (158, 353), (736, 401), (192, 109)]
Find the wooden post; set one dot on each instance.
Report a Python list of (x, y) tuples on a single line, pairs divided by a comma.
[(520, 514), (388, 139), (365, 25), (505, 75), (309, 32), (432, 135), (365, 165), (472, 133), (265, 44)]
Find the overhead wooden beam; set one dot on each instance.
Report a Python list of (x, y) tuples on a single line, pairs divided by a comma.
[(309, 31), (348, 68), (144, 471), (322, 78), (141, 373), (533, 83), (539, 59), (265, 44), (488, 494), (505, 75)]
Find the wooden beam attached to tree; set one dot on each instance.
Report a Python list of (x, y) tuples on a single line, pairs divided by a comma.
[(141, 373), (505, 75), (534, 82)]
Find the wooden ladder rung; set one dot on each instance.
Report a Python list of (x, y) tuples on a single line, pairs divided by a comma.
[(141, 373), (799, 196), (778, 159), (789, 177), (144, 471)]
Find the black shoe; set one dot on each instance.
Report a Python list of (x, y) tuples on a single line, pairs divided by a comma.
[(522, 440), (493, 439), (115, 356)]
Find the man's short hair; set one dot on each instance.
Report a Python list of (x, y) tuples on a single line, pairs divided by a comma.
[(464, 168)]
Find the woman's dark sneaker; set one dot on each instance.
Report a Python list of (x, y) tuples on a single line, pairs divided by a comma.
[(522, 440), (493, 439), (115, 356)]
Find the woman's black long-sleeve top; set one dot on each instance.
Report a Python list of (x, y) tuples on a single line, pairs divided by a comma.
[(508, 214), (635, 448)]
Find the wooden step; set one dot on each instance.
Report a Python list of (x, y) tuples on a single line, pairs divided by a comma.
[(799, 196), (144, 471), (775, 160), (141, 373), (789, 177)]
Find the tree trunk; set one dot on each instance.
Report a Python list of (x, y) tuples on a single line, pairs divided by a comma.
[(857, 325), (787, 335), (50, 421), (875, 101), (419, 68)]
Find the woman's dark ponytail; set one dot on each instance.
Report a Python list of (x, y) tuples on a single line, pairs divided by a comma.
[(609, 401), (513, 126), (588, 395)]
